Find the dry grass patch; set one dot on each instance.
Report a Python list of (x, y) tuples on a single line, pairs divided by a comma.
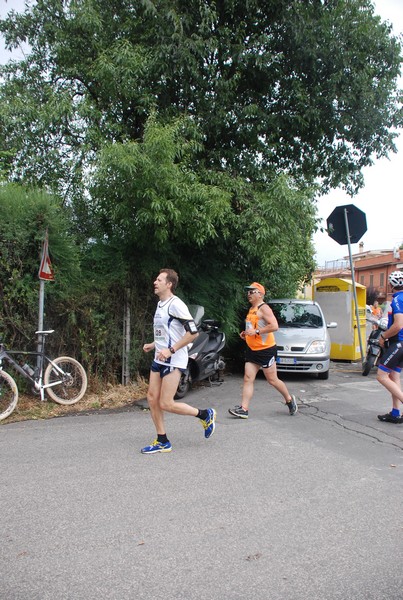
[(111, 397)]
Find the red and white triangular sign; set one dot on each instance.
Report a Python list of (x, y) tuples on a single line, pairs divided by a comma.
[(46, 269)]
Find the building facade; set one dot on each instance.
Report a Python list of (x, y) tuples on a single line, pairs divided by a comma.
[(371, 269)]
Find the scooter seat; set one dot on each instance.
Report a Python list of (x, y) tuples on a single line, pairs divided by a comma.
[(214, 342), (207, 323)]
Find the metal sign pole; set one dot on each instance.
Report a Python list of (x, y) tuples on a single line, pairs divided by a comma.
[(126, 340), (40, 316), (41, 303), (357, 315)]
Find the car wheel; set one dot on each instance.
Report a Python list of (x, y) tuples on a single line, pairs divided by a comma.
[(324, 375)]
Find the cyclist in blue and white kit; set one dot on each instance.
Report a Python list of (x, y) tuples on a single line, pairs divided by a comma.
[(392, 360), (174, 329)]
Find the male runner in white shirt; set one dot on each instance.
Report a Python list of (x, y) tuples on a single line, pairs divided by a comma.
[(174, 329)]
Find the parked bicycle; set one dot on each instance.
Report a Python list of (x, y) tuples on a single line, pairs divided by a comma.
[(64, 379)]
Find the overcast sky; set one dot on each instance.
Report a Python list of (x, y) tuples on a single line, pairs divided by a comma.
[(381, 199)]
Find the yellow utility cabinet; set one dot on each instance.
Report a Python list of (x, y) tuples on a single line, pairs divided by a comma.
[(336, 298)]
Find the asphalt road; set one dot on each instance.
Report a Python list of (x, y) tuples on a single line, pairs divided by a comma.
[(273, 508)]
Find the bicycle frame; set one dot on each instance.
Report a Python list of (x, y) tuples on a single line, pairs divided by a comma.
[(63, 377), (36, 380)]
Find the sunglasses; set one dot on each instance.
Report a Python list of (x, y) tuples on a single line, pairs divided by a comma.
[(252, 292)]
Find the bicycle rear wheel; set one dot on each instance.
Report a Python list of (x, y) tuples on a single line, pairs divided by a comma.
[(8, 395), (71, 378)]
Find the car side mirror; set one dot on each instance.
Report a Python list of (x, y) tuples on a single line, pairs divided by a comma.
[(331, 325)]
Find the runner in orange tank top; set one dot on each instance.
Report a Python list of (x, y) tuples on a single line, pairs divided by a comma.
[(255, 321), (261, 352)]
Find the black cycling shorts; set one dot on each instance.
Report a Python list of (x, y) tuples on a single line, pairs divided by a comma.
[(392, 358), (264, 358)]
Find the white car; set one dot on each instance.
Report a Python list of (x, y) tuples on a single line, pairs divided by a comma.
[(303, 340)]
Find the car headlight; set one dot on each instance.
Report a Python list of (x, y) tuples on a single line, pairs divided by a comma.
[(317, 347)]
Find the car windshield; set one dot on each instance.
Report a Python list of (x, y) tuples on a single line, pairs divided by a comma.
[(297, 315)]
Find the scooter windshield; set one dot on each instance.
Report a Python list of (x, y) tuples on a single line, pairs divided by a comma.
[(197, 312)]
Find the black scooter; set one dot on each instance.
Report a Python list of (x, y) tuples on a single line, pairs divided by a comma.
[(205, 361), (374, 350)]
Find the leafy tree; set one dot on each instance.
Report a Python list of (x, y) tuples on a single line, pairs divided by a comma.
[(25, 214), (156, 212), (307, 88), (146, 195), (85, 310)]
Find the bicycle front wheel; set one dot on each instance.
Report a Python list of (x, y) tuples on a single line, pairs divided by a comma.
[(8, 395), (68, 380)]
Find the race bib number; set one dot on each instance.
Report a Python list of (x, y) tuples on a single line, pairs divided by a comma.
[(159, 335)]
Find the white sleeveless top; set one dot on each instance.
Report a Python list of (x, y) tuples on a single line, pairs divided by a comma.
[(168, 330)]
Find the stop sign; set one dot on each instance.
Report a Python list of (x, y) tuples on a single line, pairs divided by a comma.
[(336, 224)]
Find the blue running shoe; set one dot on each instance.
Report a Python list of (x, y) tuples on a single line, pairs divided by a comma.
[(157, 446), (209, 423)]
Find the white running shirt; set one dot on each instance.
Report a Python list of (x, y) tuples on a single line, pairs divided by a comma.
[(168, 330)]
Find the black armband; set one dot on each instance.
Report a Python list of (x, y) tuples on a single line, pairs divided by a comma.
[(190, 326)]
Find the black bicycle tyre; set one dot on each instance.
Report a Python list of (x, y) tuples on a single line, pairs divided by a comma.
[(75, 386), (368, 364), (8, 395)]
